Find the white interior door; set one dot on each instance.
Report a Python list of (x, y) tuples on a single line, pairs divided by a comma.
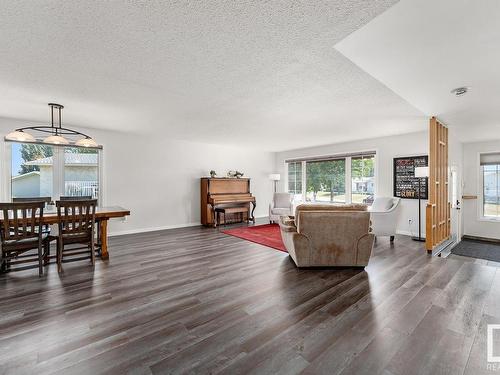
[(455, 194)]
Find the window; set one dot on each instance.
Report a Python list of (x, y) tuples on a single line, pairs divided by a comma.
[(31, 170), (81, 172), (39, 170), (325, 181), (490, 171), (363, 179), (295, 178), (339, 179), (491, 183)]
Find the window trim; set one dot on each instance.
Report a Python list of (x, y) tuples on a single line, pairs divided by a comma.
[(348, 160)]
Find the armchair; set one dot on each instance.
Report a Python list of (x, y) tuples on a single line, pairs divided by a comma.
[(328, 235), (384, 215), (281, 205)]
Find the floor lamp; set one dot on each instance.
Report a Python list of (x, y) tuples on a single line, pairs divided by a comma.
[(275, 177), (420, 173)]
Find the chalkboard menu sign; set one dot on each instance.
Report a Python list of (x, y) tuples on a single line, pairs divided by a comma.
[(405, 182)]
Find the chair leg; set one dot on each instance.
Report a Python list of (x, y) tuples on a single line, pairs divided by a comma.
[(46, 252), (59, 255), (40, 260), (92, 253)]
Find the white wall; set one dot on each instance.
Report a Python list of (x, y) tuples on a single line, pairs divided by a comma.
[(158, 178), (473, 225), (387, 148)]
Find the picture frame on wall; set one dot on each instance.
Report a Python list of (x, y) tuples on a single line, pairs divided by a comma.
[(406, 185)]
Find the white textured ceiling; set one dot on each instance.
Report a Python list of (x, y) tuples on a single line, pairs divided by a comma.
[(248, 72), (423, 49)]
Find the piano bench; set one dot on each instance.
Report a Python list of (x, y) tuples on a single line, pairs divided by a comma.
[(230, 210)]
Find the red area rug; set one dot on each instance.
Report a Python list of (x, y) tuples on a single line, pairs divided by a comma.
[(268, 235)]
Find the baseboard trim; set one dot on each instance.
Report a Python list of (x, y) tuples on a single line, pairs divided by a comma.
[(151, 229), (408, 233), (156, 229)]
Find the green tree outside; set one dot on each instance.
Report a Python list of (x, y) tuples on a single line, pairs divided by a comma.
[(326, 176), (30, 152), (362, 167)]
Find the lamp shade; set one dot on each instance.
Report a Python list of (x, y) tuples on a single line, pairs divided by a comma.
[(56, 140), (421, 172), (86, 142), (19, 136), (275, 176)]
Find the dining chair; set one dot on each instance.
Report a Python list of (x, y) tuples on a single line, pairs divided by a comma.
[(20, 232), (76, 220), (46, 227), (75, 198), (32, 199), (82, 197)]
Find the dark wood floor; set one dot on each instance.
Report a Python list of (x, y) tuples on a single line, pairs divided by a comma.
[(194, 300)]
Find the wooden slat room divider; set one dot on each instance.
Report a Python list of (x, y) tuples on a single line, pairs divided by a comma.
[(438, 221)]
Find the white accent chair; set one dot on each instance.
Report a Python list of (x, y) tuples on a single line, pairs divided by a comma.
[(384, 216), (282, 205)]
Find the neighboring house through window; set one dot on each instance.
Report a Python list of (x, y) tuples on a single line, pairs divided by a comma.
[(43, 170)]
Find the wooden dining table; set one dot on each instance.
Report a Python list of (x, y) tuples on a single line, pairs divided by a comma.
[(102, 215)]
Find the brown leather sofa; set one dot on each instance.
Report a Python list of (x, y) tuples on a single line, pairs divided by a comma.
[(328, 235)]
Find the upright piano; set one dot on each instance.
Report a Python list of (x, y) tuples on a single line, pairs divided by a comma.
[(225, 192)]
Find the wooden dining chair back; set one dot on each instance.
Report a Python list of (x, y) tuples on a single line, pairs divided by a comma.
[(32, 199), (21, 231), (75, 198), (76, 220), (45, 200)]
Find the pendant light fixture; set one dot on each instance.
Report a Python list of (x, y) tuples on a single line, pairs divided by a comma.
[(57, 134), (56, 138)]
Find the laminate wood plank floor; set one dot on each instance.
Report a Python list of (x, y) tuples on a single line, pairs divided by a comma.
[(194, 300)]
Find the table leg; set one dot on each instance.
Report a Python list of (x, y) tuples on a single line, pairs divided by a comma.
[(103, 229)]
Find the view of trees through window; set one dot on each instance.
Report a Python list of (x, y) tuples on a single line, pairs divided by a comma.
[(363, 179), (327, 180), (33, 166), (295, 177)]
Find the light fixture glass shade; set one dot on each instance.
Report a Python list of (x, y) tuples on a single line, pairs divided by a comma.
[(56, 140), (86, 142), (20, 137), (275, 176), (421, 172)]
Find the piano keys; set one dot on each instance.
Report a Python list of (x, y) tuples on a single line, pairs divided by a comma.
[(225, 192)]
